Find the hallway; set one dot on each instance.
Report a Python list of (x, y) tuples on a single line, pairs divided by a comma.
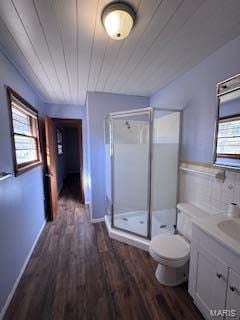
[(70, 190), (77, 272)]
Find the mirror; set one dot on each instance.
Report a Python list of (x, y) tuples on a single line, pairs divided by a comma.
[(227, 136)]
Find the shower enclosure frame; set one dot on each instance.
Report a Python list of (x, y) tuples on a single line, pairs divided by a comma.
[(115, 115)]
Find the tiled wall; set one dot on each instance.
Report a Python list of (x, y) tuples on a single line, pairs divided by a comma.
[(207, 192)]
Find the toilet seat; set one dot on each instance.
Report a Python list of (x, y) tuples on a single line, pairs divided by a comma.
[(170, 250)]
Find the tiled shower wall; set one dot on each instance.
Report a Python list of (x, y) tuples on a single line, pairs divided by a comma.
[(207, 192)]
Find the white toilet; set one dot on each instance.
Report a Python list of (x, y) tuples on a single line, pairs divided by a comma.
[(172, 251)]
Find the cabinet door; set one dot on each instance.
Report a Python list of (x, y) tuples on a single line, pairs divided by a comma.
[(233, 294), (210, 283)]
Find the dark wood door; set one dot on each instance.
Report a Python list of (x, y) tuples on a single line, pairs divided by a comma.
[(50, 174)]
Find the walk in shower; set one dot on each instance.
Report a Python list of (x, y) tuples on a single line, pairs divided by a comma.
[(141, 153)]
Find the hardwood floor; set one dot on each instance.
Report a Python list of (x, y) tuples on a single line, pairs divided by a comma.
[(78, 272)]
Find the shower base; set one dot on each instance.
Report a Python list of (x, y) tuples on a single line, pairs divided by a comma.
[(136, 221)]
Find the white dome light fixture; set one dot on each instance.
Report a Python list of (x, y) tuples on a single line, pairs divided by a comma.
[(118, 19)]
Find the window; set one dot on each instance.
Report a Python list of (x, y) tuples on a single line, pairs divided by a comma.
[(25, 133), (229, 137)]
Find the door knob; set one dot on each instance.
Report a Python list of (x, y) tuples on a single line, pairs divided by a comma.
[(49, 175)]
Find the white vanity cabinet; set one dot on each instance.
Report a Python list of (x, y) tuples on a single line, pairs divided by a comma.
[(210, 282), (214, 282)]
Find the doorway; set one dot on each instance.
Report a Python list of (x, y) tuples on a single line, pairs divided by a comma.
[(64, 163)]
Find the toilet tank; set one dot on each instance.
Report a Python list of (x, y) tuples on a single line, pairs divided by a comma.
[(185, 214)]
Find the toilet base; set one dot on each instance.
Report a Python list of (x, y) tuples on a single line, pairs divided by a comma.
[(172, 276)]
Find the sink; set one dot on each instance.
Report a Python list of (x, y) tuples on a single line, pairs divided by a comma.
[(230, 228)]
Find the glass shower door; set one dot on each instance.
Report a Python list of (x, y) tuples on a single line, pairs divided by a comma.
[(108, 173), (165, 157), (130, 143)]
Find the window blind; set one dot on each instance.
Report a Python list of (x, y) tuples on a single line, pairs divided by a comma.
[(229, 137)]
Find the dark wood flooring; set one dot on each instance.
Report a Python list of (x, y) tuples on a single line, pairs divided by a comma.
[(77, 272)]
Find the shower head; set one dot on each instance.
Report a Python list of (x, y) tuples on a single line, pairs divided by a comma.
[(127, 124)]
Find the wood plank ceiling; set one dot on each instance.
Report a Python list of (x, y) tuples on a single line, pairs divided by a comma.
[(62, 49)]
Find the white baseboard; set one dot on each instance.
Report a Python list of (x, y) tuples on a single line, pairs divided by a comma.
[(93, 220), (90, 209), (97, 220), (4, 309)]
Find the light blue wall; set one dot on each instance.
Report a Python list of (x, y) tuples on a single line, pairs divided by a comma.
[(98, 106), (195, 91), (67, 111), (21, 198)]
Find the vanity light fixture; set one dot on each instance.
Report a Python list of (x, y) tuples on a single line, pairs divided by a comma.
[(118, 19)]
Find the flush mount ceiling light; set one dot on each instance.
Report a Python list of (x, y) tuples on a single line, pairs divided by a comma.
[(118, 19)]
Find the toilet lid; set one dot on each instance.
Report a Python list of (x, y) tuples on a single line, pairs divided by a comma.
[(171, 247)]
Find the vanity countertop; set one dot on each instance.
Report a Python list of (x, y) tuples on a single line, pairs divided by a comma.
[(224, 229)]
